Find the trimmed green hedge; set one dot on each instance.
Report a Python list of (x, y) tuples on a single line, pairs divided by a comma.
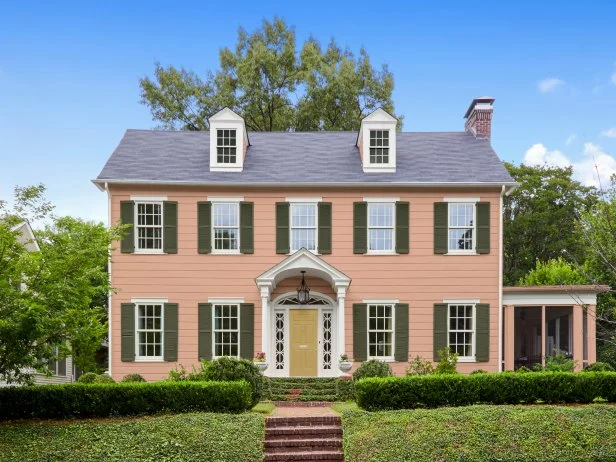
[(504, 388), (121, 399)]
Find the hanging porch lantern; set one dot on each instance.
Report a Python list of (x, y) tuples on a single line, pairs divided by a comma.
[(303, 292)]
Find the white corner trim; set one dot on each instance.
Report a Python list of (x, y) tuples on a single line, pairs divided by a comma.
[(381, 301), (225, 198), (383, 200), (462, 199), (306, 200), (462, 300), (225, 300), (148, 198), (148, 300)]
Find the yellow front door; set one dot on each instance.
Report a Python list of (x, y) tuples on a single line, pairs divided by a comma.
[(303, 339)]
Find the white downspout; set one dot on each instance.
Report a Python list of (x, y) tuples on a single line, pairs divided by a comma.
[(500, 282), (109, 310)]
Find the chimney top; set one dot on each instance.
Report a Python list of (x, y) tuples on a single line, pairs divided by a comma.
[(479, 118)]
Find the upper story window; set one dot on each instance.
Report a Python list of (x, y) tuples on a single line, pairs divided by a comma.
[(462, 330), (149, 235), (226, 226), (379, 146), (303, 226), (461, 228), (380, 331), (226, 146), (381, 227), (149, 336), (226, 330)]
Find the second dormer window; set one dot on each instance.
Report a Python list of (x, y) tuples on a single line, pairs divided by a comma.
[(226, 146), (379, 146)]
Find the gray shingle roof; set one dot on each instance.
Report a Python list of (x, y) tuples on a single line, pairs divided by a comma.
[(303, 157)]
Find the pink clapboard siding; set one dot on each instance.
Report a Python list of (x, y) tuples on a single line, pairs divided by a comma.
[(419, 278)]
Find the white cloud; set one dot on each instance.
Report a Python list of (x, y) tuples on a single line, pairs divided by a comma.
[(610, 133), (549, 85), (596, 166), (570, 139), (614, 78)]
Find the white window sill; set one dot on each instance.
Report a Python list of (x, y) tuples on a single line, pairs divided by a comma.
[(226, 168), (227, 356), (150, 360), (388, 359), (148, 252), (464, 252), (467, 360), (315, 252), (226, 252), (379, 169), (381, 252)]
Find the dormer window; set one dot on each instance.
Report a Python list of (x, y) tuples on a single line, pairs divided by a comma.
[(226, 146), (379, 146)]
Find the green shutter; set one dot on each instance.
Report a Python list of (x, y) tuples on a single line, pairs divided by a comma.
[(360, 331), (127, 217), (204, 227), (401, 340), (247, 330), (170, 233), (360, 227), (170, 338), (482, 332), (483, 227), (325, 228), (440, 227), (247, 227), (402, 227), (205, 331), (440, 329), (127, 327), (282, 228)]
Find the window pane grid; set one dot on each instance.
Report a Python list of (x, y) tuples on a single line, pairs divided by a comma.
[(380, 331), (461, 329), (381, 227), (226, 330), (149, 331), (226, 226), (461, 226), (226, 146), (149, 226), (303, 226), (379, 146)]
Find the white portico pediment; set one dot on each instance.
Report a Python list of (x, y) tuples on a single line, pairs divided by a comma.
[(302, 260)]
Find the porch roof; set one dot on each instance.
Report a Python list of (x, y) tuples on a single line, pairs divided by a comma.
[(566, 295)]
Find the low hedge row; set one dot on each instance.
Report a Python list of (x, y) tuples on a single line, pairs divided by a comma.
[(504, 388), (121, 399)]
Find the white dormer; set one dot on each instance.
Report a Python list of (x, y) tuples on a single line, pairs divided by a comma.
[(228, 141), (377, 142)]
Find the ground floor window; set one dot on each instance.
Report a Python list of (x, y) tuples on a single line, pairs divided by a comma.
[(380, 331), (57, 366), (461, 330), (226, 330), (149, 331)]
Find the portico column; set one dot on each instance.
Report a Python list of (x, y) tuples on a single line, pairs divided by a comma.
[(341, 327), (265, 323), (578, 336), (591, 325), (543, 335), (509, 337)]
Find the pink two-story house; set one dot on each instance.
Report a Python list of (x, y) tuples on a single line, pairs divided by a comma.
[(378, 244)]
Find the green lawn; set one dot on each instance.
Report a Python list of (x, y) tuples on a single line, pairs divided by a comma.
[(182, 437), (481, 433)]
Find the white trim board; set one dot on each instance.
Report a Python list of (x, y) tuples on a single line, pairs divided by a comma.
[(546, 298)]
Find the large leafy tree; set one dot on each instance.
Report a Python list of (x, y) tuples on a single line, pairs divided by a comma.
[(273, 85), (47, 297), (540, 219)]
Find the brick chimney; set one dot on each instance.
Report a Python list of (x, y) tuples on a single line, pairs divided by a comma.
[(479, 118)]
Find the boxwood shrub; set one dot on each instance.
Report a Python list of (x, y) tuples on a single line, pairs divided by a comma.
[(505, 388), (121, 399)]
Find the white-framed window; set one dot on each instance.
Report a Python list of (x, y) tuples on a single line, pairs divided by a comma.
[(381, 225), (57, 366), (226, 227), (461, 329), (226, 329), (149, 329), (461, 227), (379, 147), (303, 226), (149, 225), (380, 331), (226, 146)]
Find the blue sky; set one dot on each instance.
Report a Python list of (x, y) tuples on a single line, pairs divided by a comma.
[(69, 75)]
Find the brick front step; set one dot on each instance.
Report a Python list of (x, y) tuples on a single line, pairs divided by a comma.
[(301, 421), (277, 445), (302, 403), (304, 431), (306, 455)]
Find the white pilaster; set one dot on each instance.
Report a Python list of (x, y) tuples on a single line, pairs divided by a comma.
[(265, 322)]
